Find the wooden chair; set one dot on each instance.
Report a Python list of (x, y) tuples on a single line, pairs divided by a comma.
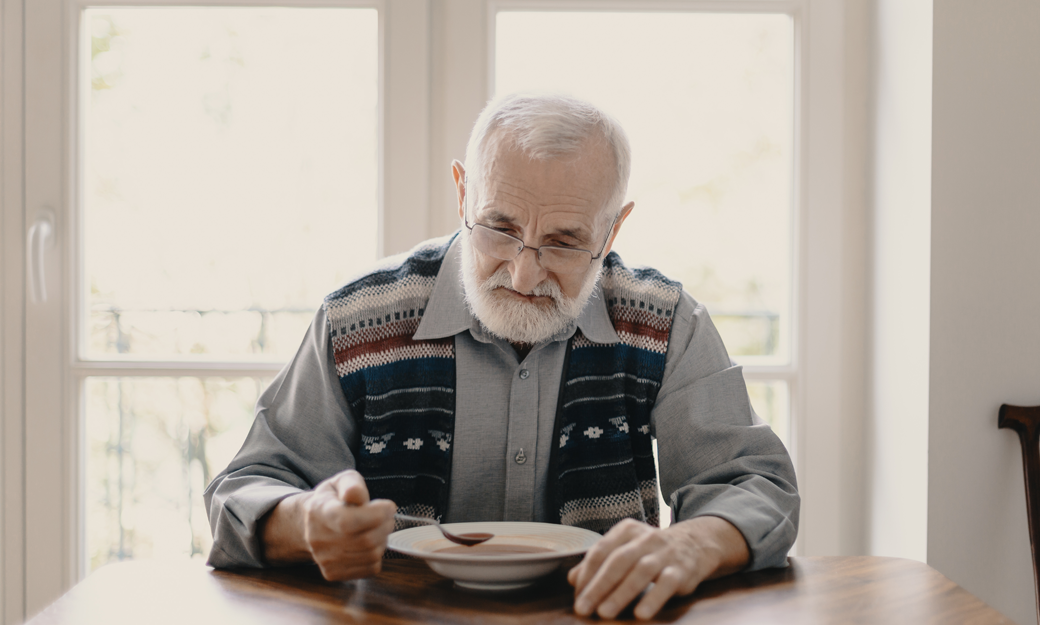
[(1026, 421)]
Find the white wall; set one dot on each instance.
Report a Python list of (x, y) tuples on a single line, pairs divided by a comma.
[(897, 431), (985, 296)]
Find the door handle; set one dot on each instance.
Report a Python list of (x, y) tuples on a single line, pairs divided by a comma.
[(39, 239)]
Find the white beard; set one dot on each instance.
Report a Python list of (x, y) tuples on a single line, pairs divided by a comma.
[(513, 319)]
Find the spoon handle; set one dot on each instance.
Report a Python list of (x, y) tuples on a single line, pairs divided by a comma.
[(416, 519)]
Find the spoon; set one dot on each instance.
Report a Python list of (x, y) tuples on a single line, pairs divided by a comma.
[(474, 538)]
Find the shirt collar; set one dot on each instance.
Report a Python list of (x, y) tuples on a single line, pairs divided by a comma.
[(447, 314)]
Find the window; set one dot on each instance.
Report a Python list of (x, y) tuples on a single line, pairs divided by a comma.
[(707, 103), (168, 137), (229, 154)]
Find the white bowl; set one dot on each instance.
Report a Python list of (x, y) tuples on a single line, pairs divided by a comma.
[(495, 572)]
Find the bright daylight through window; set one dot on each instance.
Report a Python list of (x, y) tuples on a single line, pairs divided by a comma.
[(230, 180), (707, 102)]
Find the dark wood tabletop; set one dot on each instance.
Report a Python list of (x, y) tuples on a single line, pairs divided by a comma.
[(886, 591)]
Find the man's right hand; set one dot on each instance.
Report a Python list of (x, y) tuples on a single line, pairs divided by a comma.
[(335, 525)]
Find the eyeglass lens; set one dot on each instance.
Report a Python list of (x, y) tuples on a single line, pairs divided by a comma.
[(504, 247)]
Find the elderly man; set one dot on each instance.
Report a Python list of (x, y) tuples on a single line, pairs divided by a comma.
[(516, 371)]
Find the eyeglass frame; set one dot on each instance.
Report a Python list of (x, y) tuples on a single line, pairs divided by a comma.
[(524, 246)]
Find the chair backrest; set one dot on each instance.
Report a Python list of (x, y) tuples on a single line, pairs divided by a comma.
[(1026, 421)]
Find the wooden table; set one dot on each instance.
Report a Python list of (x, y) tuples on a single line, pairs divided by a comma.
[(888, 591)]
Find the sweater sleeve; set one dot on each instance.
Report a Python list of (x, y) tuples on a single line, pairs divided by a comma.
[(303, 433), (717, 457)]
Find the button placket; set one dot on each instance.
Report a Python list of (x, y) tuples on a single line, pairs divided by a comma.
[(522, 442)]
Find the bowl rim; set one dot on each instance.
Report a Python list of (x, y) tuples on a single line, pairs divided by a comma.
[(396, 537)]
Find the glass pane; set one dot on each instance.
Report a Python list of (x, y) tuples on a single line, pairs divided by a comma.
[(152, 445), (771, 400), (707, 101), (229, 175)]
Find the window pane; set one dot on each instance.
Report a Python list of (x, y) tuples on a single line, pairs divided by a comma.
[(229, 176), (706, 100), (771, 400), (152, 445)]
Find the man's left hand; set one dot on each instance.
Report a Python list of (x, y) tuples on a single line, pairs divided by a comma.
[(632, 555)]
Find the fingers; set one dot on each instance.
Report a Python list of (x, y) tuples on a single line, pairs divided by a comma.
[(621, 534), (355, 565), (350, 488), (665, 586), (623, 575), (352, 544), (363, 542), (645, 570), (339, 574), (332, 516), (633, 559), (345, 532)]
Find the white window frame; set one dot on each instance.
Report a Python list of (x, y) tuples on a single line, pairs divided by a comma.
[(435, 76)]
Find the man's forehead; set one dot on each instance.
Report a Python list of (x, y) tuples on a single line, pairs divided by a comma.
[(571, 179)]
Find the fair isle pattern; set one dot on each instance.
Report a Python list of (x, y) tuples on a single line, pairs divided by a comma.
[(392, 353), (604, 466), (402, 390), (587, 511)]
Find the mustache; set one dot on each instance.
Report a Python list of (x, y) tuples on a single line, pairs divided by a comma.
[(502, 279)]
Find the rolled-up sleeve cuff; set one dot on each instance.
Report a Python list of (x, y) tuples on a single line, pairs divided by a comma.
[(769, 531), (234, 519)]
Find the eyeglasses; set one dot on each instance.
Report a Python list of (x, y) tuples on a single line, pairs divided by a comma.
[(552, 258)]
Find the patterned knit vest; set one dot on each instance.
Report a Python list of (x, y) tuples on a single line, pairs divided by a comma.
[(402, 392)]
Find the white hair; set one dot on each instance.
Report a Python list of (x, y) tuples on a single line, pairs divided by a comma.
[(543, 127)]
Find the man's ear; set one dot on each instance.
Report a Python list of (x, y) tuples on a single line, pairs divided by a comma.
[(622, 216), (458, 172)]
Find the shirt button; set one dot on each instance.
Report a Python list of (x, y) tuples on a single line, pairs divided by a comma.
[(524, 374), (520, 457)]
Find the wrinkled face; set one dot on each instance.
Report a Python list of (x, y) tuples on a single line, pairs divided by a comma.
[(558, 202)]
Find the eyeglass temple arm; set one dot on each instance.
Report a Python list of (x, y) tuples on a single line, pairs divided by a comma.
[(609, 230)]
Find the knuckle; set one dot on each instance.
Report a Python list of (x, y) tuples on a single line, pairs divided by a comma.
[(672, 575), (648, 564), (628, 524), (634, 522), (630, 552)]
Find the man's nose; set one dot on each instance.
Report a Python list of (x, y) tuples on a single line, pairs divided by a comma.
[(526, 271)]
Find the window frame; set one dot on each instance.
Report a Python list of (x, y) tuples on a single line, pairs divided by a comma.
[(436, 72)]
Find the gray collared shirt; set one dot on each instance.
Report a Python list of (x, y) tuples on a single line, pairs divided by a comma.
[(716, 456)]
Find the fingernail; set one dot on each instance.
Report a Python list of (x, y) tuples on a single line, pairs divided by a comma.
[(582, 607)]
